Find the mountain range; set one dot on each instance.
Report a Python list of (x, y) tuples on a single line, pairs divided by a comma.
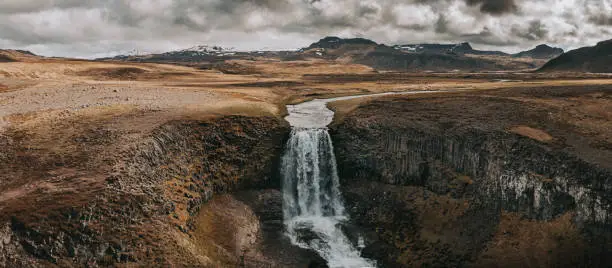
[(539, 52), (408, 57), (360, 49), (428, 57), (461, 48)]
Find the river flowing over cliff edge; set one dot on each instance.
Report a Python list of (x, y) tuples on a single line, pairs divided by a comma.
[(312, 203)]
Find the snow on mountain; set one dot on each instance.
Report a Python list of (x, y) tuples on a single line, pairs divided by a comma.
[(202, 50)]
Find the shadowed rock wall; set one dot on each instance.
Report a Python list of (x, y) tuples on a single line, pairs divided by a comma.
[(436, 181)]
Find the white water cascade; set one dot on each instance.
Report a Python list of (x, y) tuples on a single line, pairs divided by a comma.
[(313, 209), (312, 203)]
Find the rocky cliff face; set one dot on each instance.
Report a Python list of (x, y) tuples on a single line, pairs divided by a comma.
[(438, 179), (515, 173), (143, 210)]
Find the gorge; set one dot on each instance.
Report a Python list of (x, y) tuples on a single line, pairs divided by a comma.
[(503, 178), (417, 183), (200, 158)]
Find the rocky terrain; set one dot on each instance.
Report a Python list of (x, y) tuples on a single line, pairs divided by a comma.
[(501, 178), (115, 163), (101, 205), (107, 164), (594, 59)]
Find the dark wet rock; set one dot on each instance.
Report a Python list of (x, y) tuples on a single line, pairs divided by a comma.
[(275, 244)]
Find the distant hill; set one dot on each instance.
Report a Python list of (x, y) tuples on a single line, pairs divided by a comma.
[(193, 54), (334, 48), (461, 49), (414, 58), (388, 58), (6, 58), (596, 59), (12, 55), (540, 52), (332, 42), (199, 54)]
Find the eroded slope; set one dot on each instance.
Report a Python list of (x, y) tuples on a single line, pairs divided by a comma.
[(101, 204)]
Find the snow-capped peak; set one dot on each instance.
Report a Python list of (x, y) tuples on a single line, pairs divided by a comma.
[(207, 49)]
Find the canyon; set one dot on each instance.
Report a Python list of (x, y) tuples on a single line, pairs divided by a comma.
[(142, 164)]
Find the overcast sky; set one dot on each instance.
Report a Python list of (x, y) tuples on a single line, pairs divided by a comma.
[(94, 28)]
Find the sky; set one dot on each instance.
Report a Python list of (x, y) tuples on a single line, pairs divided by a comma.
[(98, 28)]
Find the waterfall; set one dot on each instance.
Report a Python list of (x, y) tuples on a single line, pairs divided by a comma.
[(312, 203), (310, 176), (313, 209)]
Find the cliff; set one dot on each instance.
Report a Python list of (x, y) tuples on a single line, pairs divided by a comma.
[(145, 208), (466, 180)]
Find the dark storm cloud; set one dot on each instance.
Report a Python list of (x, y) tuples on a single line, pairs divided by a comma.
[(84, 28), (494, 6), (602, 19), (600, 12), (441, 24)]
